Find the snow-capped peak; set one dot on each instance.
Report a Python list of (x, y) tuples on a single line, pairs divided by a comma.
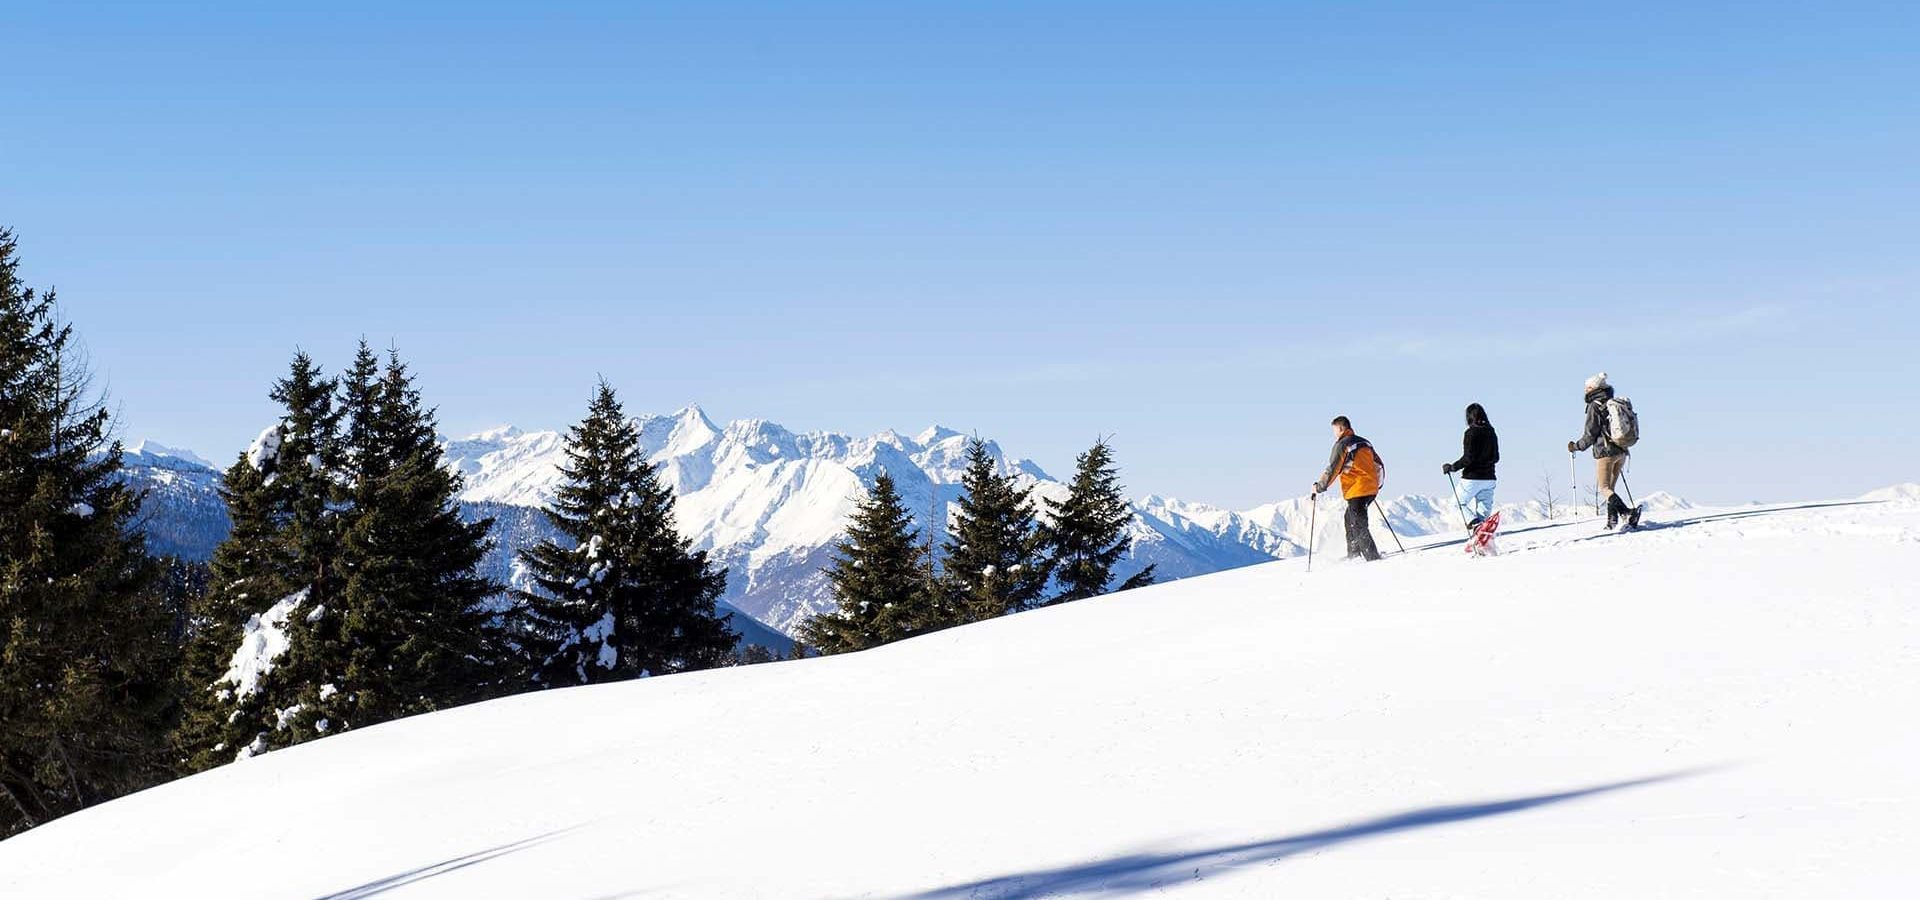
[(494, 435), (156, 449), (936, 434)]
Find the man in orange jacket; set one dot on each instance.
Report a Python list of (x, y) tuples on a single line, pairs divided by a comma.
[(1361, 472)]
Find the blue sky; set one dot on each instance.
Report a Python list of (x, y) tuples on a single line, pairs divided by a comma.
[(1202, 228)]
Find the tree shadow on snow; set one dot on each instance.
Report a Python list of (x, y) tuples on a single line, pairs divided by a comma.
[(1139, 872), (392, 882)]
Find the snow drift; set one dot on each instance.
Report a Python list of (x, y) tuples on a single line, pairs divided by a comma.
[(1721, 706)]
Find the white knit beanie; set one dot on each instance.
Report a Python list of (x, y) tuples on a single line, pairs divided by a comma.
[(1597, 382)]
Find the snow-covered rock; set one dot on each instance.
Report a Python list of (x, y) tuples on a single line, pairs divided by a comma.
[(1736, 724)]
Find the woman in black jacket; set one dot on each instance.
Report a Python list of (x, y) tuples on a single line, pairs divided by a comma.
[(1480, 450)]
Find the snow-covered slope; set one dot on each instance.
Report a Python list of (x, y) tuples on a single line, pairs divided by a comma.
[(1720, 707)]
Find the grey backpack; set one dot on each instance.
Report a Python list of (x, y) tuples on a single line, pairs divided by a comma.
[(1623, 427)]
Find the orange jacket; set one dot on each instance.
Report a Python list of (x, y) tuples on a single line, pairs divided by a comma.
[(1362, 472)]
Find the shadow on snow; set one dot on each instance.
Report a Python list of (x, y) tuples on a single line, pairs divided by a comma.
[(411, 876), (1681, 522), (1138, 872)]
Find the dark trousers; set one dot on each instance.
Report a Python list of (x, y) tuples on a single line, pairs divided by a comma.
[(1359, 536)]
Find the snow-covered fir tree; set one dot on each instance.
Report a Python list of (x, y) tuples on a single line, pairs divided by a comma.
[(346, 593), (878, 579), (994, 562), (86, 659), (279, 566), (417, 630), (251, 570), (625, 595), (1086, 534)]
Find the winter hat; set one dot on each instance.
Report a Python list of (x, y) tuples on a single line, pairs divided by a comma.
[(1597, 382)]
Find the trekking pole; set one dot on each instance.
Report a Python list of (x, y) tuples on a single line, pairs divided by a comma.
[(1313, 529), (1624, 484), (1388, 521), (1456, 501), (1573, 478)]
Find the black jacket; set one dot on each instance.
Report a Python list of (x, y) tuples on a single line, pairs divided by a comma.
[(1479, 450)]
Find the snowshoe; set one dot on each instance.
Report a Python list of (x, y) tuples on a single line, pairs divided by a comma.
[(1480, 543)]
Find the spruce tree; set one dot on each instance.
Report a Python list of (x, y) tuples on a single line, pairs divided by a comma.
[(345, 527), (304, 477), (878, 583), (625, 596), (251, 570), (1087, 533), (416, 629), (279, 570), (994, 563), (86, 658)]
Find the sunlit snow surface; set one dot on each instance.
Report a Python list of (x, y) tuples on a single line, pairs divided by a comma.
[(1722, 706)]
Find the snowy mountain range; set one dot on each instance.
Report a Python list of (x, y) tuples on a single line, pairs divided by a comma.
[(769, 504)]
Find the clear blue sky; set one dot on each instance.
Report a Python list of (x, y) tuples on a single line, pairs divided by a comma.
[(1205, 228)]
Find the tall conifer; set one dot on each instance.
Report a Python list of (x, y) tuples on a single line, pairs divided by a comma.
[(1086, 534), (625, 595), (995, 563), (86, 657), (879, 584)]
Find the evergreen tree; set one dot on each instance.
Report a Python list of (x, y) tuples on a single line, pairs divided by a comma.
[(415, 628), (995, 563), (251, 570), (1087, 533), (346, 539), (877, 579), (85, 657), (626, 596), (279, 569)]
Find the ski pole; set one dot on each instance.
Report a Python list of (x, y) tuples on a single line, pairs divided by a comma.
[(1624, 484), (1313, 529), (1456, 501)]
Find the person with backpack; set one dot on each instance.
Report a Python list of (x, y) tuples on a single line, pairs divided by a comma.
[(1361, 473), (1611, 429), (1479, 451)]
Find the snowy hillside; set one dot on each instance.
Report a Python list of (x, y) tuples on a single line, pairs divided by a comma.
[(1719, 707)]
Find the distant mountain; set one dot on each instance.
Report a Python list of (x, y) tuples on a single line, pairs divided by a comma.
[(770, 504), (183, 514)]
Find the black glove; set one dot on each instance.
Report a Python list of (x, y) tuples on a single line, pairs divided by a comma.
[(1446, 468)]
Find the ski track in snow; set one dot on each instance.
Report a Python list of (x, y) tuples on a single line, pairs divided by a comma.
[(1720, 706)]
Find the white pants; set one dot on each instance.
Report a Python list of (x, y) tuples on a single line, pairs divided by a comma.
[(1475, 497)]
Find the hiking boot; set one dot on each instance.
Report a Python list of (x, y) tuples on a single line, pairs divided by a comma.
[(1613, 517), (1633, 518)]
